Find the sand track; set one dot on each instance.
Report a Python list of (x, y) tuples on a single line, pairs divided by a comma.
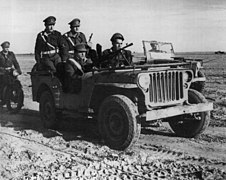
[(29, 150)]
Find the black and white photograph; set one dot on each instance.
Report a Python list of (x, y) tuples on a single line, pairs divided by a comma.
[(112, 90)]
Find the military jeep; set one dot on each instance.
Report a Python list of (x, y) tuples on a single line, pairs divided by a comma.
[(124, 98), (159, 52)]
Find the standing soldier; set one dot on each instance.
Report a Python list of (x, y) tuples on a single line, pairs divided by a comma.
[(73, 37), (49, 46)]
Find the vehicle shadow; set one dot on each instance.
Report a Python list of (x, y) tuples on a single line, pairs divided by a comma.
[(163, 131), (68, 128)]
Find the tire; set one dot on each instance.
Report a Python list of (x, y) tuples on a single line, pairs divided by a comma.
[(191, 127), (199, 85), (47, 110), (14, 99), (118, 124)]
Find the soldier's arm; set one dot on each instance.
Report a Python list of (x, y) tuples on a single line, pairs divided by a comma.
[(38, 49), (16, 64), (83, 37), (129, 56), (63, 48)]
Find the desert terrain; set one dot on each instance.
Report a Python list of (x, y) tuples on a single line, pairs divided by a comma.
[(75, 151)]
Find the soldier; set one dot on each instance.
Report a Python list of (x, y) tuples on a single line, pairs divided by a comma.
[(75, 68), (8, 58), (73, 37), (49, 46), (123, 58)]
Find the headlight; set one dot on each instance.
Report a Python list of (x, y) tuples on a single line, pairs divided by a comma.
[(187, 76), (144, 81)]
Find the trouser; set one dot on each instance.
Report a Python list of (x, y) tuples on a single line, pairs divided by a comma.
[(3, 82), (50, 63)]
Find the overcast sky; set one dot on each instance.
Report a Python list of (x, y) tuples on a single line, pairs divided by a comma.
[(191, 25)]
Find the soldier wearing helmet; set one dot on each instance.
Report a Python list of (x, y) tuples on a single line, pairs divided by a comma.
[(123, 58), (49, 46), (73, 37), (75, 67)]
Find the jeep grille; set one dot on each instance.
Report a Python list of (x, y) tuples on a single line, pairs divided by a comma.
[(166, 87)]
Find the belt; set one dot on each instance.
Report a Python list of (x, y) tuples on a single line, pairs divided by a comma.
[(50, 52), (72, 51)]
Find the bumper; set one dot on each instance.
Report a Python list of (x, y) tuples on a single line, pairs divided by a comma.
[(199, 79), (176, 110)]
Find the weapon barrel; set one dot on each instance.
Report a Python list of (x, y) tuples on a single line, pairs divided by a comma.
[(90, 37)]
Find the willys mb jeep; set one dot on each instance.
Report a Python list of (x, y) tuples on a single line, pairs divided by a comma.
[(162, 51), (124, 98)]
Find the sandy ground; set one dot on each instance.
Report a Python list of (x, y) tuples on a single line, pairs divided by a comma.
[(75, 151)]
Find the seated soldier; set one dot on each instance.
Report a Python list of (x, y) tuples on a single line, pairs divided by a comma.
[(75, 68), (123, 58), (153, 48)]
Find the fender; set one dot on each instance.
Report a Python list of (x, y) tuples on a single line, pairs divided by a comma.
[(120, 85)]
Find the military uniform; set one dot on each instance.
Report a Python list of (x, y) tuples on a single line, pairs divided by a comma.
[(74, 69), (73, 38), (7, 59), (49, 47), (122, 58)]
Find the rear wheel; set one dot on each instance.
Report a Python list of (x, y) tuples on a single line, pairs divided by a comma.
[(118, 122), (14, 99), (47, 110), (191, 125)]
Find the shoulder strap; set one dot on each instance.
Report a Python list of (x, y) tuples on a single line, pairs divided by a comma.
[(73, 44), (75, 63), (50, 45)]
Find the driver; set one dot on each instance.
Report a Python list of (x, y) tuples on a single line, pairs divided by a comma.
[(75, 68), (123, 58)]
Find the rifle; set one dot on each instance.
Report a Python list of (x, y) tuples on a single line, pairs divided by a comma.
[(113, 54), (90, 37)]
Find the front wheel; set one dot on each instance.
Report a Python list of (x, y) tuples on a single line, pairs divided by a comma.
[(118, 124), (191, 125), (14, 99), (47, 110)]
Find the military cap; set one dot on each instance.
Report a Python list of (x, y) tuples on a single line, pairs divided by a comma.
[(117, 36), (5, 44), (75, 22), (80, 47), (51, 20)]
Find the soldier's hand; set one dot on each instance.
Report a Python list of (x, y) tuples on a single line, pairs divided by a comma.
[(90, 44)]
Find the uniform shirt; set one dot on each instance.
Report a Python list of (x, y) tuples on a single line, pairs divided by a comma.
[(54, 38), (72, 81), (110, 59), (72, 40), (9, 60)]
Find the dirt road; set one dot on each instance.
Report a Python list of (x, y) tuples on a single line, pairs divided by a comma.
[(75, 151)]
